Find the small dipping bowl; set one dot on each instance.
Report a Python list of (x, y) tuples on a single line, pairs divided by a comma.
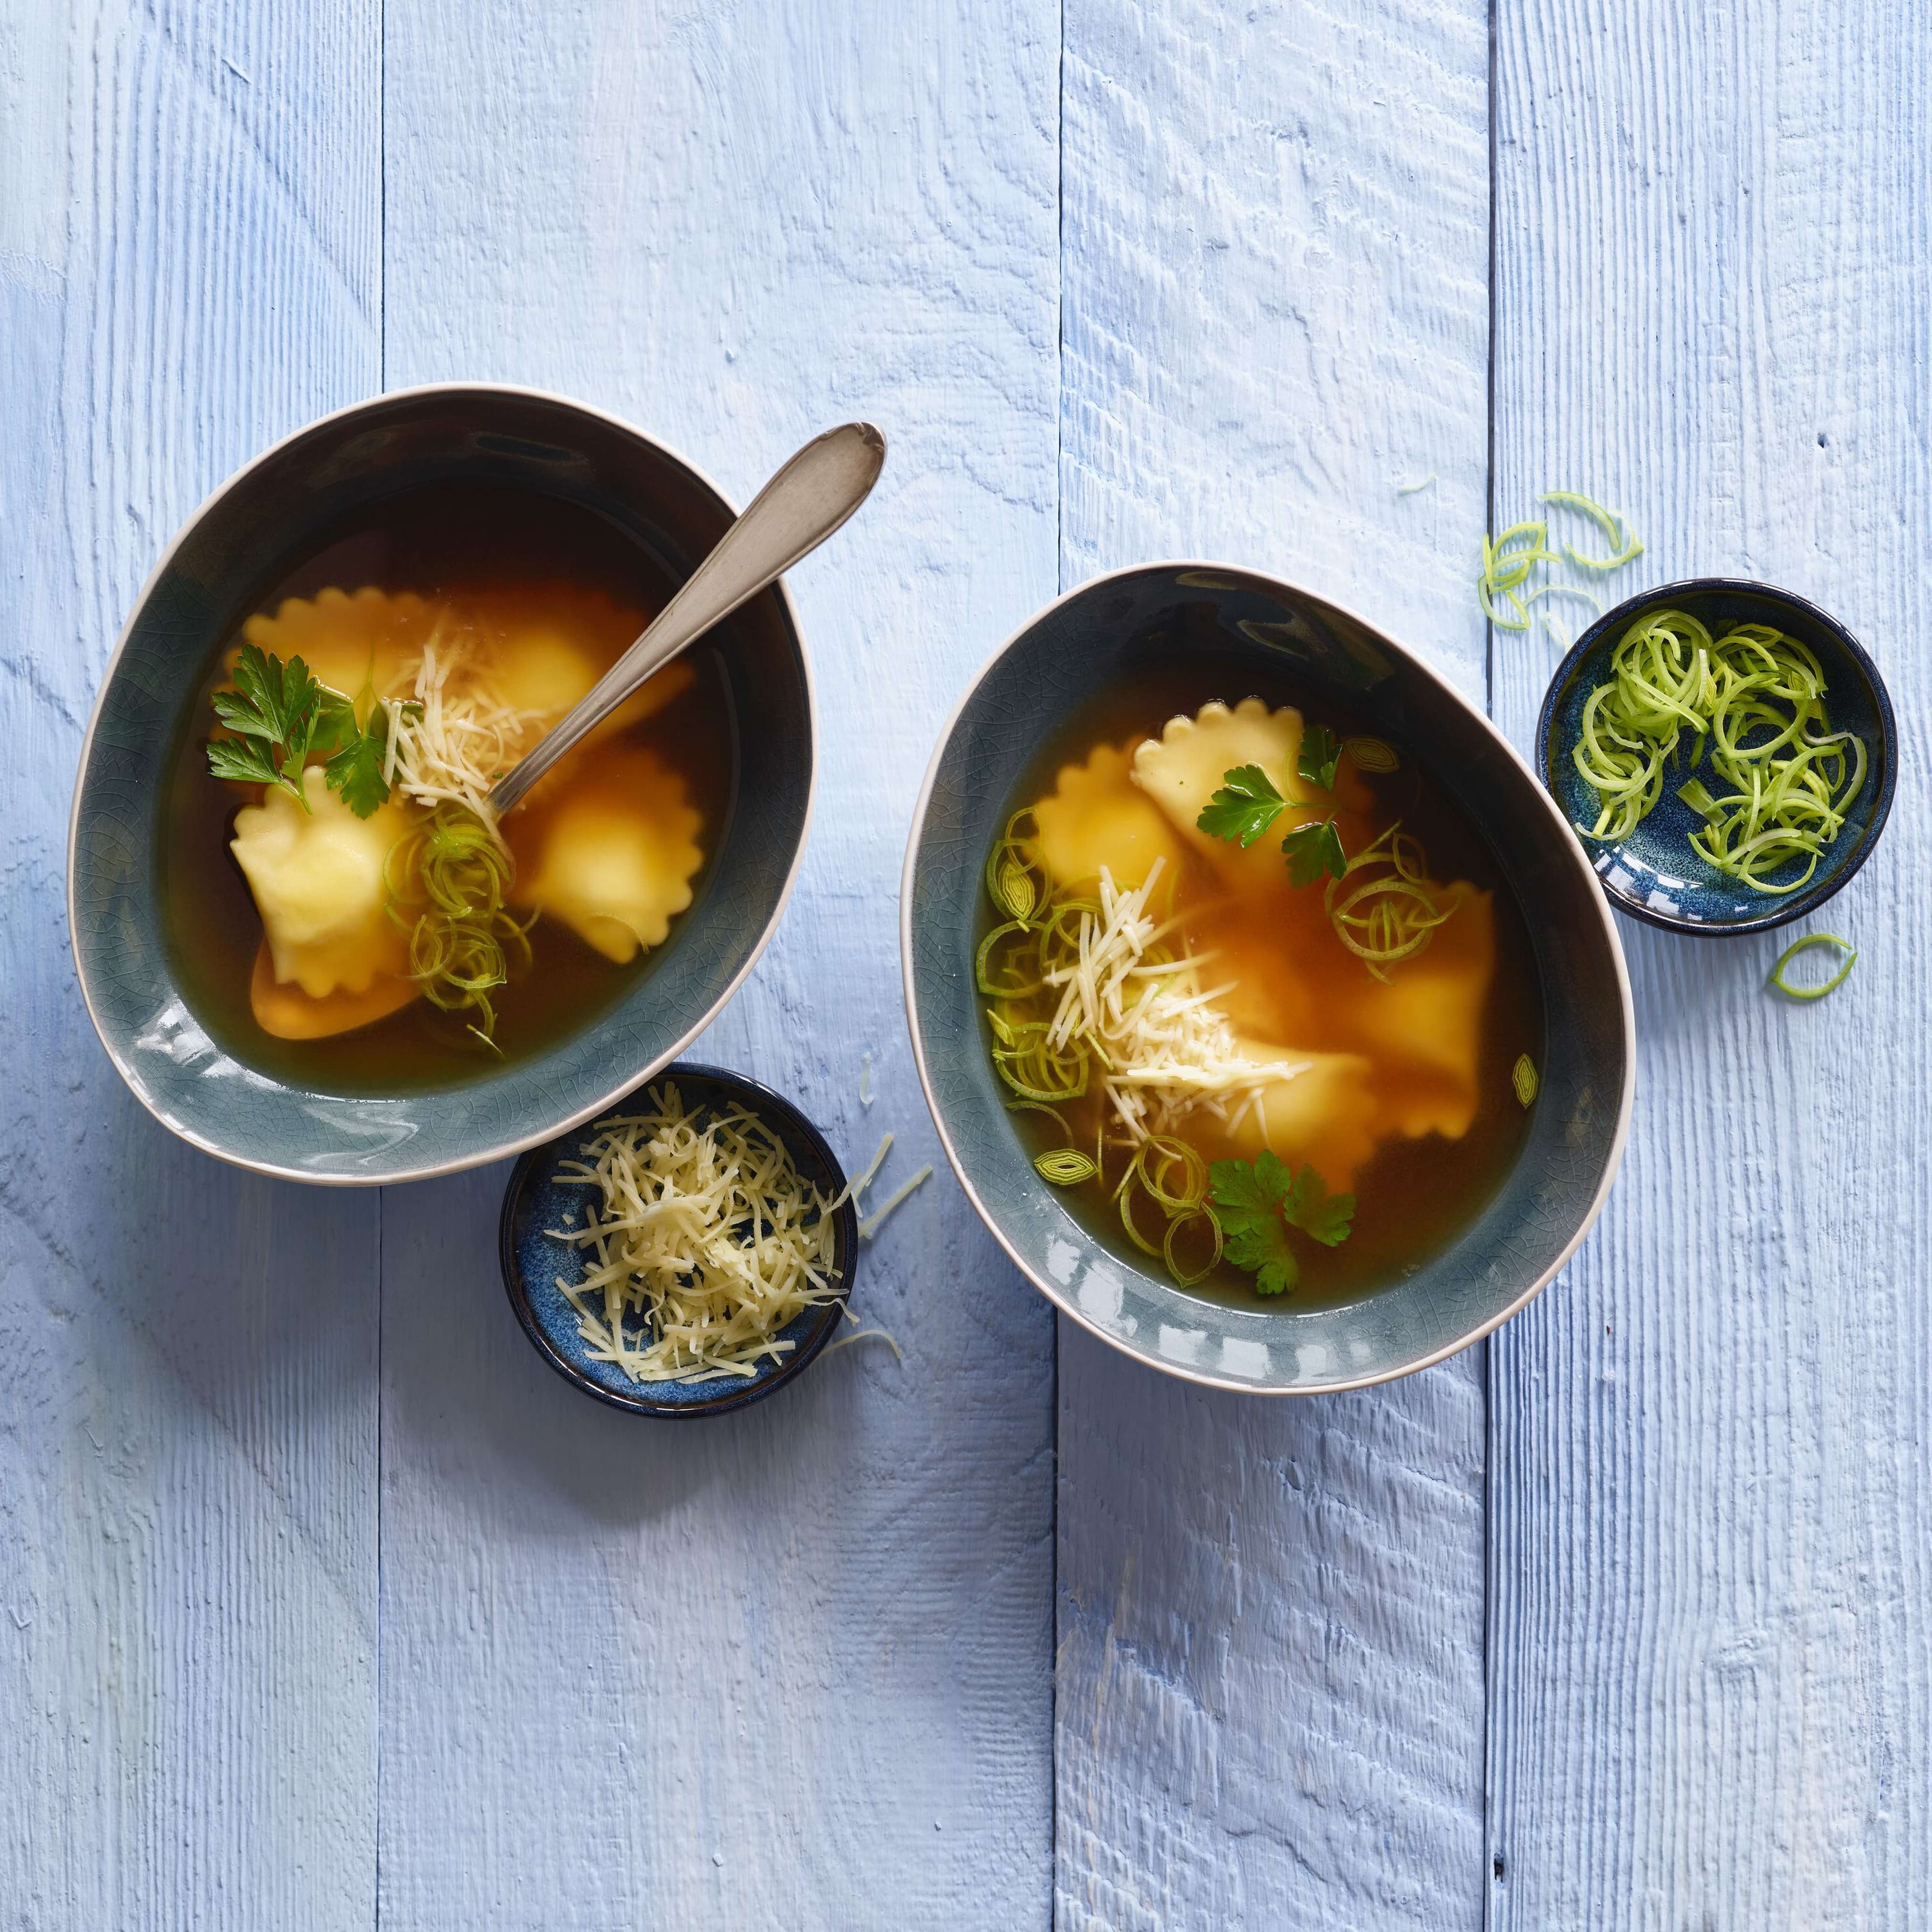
[(1654, 874), (533, 1257)]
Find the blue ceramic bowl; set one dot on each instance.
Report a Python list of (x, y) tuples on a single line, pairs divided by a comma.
[(236, 546), (1154, 614), (1654, 875), (533, 1257)]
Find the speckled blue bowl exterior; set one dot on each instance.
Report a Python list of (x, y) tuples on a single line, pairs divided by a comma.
[(1654, 875), (533, 1257), (235, 549), (1063, 658)]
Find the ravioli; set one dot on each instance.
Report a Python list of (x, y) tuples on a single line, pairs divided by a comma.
[(1182, 768), (1325, 1115), (1424, 1027), (317, 877), (348, 642), (288, 1013), (614, 858), (1096, 817)]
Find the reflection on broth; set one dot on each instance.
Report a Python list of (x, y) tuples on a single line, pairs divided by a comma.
[(1255, 989), (344, 909)]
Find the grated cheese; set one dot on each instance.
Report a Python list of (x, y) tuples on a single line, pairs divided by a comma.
[(705, 1243), (853, 1189), (1161, 1045), (868, 1335), (870, 1227), (461, 738)]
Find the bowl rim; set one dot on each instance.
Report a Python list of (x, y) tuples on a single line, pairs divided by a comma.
[(1067, 1306), (765, 1101), (1805, 900), (497, 1151)]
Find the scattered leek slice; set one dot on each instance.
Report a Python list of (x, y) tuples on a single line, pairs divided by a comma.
[(1616, 531), (1391, 915), (1012, 877), (1508, 559), (1523, 1077), (1063, 1166), (1804, 945), (1371, 755)]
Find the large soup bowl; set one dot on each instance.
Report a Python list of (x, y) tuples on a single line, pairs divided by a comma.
[(1154, 614), (261, 523)]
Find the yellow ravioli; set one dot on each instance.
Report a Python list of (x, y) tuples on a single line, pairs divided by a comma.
[(1096, 817), (1324, 1117), (1424, 1028), (318, 883), (613, 858)]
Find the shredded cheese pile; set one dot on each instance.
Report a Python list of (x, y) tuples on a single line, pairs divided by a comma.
[(705, 1244), (454, 739), (1162, 1046)]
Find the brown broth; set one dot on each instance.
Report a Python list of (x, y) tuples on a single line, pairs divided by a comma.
[(451, 539), (1414, 1197)]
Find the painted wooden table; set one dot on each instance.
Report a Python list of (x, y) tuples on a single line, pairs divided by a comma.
[(322, 1603)]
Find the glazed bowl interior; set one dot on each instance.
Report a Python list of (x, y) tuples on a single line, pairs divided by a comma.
[(1653, 874), (280, 510), (1114, 628)]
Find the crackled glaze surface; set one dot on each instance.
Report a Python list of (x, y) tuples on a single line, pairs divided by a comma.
[(207, 585), (1576, 1134)]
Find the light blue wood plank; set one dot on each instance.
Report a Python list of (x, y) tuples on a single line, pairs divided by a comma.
[(1270, 1695), (188, 211), (792, 1668), (1711, 1648)]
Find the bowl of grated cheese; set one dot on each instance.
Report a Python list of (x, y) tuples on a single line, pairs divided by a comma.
[(685, 1253)]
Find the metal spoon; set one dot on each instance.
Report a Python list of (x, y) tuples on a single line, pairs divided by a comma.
[(789, 517)]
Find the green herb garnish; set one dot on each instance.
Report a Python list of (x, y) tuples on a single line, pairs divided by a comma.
[(1320, 753), (1313, 850), (1524, 1078), (1255, 1203), (1804, 945), (356, 770), (1244, 808), (279, 714)]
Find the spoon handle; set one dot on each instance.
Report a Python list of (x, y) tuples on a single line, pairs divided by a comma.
[(791, 516)]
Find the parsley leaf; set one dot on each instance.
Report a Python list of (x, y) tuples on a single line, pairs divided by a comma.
[(279, 714), (1256, 1203), (1312, 850), (1247, 1204), (242, 759), (1244, 808), (356, 770), (1321, 755), (1327, 1218)]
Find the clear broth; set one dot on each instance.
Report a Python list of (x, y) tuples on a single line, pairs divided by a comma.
[(435, 542), (1414, 1198)]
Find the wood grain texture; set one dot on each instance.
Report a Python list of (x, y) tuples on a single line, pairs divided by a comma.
[(188, 217), (1270, 1614), (793, 1667), (1712, 1634)]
